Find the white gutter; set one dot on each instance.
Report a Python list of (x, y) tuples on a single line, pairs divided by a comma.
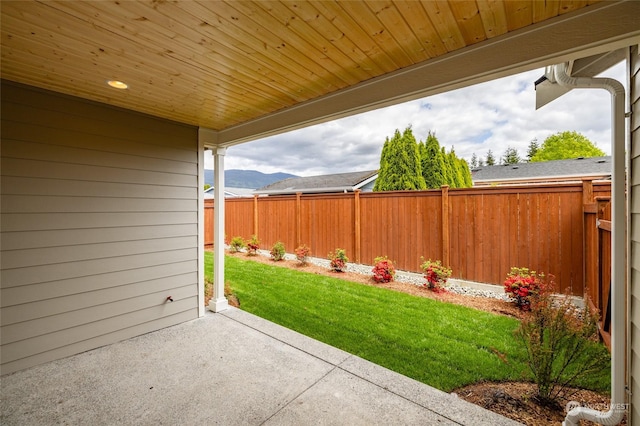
[(618, 406)]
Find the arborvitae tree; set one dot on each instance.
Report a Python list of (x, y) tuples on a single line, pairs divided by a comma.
[(435, 165), (457, 180), (466, 173), (400, 167), (566, 145), (510, 156), (474, 161), (447, 172), (432, 162), (413, 177), (490, 161), (383, 171), (533, 149)]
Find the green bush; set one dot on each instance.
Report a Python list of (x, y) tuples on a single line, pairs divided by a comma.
[(561, 344), (237, 244), (277, 251)]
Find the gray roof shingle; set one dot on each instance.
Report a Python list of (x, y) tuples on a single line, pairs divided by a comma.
[(338, 182), (558, 169)]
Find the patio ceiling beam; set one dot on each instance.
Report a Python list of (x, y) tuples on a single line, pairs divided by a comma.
[(595, 29)]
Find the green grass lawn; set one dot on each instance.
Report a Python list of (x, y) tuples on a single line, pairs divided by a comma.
[(443, 345)]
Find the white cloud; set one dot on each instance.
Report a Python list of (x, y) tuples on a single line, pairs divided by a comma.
[(492, 115)]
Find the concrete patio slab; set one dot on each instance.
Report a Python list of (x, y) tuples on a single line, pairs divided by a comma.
[(230, 368)]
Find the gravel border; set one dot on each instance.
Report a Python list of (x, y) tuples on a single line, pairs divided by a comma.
[(466, 288)]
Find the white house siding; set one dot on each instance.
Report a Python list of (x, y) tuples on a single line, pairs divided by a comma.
[(99, 225), (634, 97)]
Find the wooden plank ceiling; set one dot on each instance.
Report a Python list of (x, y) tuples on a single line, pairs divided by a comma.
[(219, 64)]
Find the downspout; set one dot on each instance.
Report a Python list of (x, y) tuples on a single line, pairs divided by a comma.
[(617, 407)]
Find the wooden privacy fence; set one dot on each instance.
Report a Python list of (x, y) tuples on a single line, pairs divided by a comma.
[(479, 232), (597, 217)]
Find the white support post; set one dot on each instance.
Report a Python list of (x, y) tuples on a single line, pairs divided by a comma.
[(218, 302)]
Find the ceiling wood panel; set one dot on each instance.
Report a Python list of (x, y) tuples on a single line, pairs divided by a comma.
[(519, 13), (494, 17), (332, 34), (427, 37), (467, 16), (376, 32), (349, 26), (445, 24), (225, 64)]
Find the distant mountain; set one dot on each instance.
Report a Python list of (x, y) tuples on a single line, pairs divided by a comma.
[(246, 178)]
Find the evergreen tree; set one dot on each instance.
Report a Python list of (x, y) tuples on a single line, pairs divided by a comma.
[(432, 162), (533, 149), (400, 167), (490, 161), (383, 171), (447, 172), (474, 161), (510, 156), (466, 173), (457, 180)]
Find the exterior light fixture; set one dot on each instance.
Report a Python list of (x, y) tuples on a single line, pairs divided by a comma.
[(117, 84)]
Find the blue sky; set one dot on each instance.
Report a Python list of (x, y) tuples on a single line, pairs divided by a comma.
[(493, 115)]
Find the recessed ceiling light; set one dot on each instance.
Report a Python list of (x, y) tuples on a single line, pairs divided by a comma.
[(117, 84)]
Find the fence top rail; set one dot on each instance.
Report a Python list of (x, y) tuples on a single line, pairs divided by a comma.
[(561, 187)]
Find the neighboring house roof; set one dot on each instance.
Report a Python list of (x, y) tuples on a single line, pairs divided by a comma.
[(339, 182), (229, 193), (547, 171)]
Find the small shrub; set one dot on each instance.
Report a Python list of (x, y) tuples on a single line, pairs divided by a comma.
[(383, 271), (277, 251), (253, 245), (237, 244), (302, 254), (436, 274), (338, 260), (522, 284), (561, 345)]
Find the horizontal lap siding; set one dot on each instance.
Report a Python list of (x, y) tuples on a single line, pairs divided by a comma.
[(99, 225)]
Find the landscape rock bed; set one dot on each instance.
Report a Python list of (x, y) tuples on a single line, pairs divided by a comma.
[(404, 277)]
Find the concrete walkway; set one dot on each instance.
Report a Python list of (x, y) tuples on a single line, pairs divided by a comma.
[(231, 368)]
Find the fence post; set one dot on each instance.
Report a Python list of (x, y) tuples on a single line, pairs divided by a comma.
[(356, 223), (445, 224), (589, 243), (298, 220), (255, 215)]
